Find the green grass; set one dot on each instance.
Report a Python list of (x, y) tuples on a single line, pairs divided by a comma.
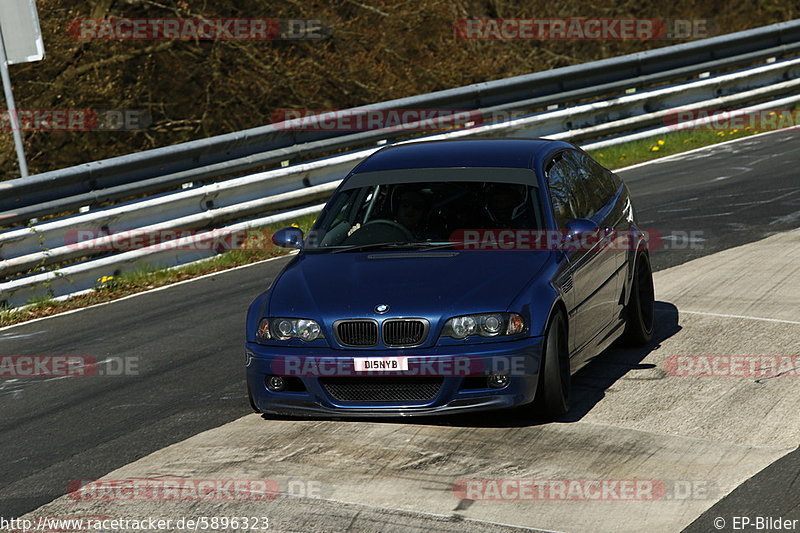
[(634, 152), (111, 288), (676, 142)]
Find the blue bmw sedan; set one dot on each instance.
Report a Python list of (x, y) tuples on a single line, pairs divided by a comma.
[(452, 276)]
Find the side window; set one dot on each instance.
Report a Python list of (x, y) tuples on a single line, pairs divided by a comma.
[(579, 186), (573, 188), (561, 184), (603, 183), (589, 186)]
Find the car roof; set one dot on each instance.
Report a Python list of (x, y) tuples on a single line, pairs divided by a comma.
[(513, 153)]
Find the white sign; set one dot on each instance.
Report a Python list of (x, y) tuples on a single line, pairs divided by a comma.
[(380, 364), (22, 36)]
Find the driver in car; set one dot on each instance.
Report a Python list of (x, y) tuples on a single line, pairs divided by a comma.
[(507, 206), (410, 211)]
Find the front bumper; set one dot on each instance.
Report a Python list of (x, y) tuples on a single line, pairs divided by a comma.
[(463, 387)]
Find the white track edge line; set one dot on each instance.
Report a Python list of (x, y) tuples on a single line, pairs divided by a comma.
[(744, 317)]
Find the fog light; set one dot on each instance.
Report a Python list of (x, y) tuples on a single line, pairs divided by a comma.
[(497, 381), (276, 383)]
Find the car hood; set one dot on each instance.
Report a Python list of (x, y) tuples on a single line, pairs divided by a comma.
[(430, 284)]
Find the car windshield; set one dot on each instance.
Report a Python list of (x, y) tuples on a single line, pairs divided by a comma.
[(420, 214)]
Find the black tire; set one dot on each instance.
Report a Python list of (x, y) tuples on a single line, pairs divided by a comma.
[(552, 393), (253, 405), (640, 311)]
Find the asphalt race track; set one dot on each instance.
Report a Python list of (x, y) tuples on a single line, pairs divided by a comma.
[(727, 284)]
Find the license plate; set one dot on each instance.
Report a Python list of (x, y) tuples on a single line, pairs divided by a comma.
[(380, 364)]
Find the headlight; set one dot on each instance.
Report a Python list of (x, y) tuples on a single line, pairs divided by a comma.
[(462, 326), (283, 329), (307, 330), (487, 325)]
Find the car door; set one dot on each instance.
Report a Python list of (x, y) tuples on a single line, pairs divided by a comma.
[(591, 267), (614, 225)]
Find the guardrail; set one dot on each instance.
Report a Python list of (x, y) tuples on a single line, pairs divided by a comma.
[(159, 169), (223, 203)]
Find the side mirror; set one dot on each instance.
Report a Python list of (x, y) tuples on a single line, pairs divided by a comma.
[(290, 237), (580, 231)]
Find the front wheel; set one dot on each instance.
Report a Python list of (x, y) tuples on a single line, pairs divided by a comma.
[(640, 311), (552, 393)]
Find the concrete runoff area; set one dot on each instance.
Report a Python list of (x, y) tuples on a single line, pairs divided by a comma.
[(687, 439)]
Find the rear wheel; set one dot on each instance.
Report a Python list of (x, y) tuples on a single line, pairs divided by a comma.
[(640, 311), (552, 392)]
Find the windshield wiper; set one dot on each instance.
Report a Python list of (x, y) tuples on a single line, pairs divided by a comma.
[(391, 245)]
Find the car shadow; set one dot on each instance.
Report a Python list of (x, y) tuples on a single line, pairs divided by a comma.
[(589, 385)]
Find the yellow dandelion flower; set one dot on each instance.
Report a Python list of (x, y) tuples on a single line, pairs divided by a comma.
[(720, 133), (654, 149), (661, 143)]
